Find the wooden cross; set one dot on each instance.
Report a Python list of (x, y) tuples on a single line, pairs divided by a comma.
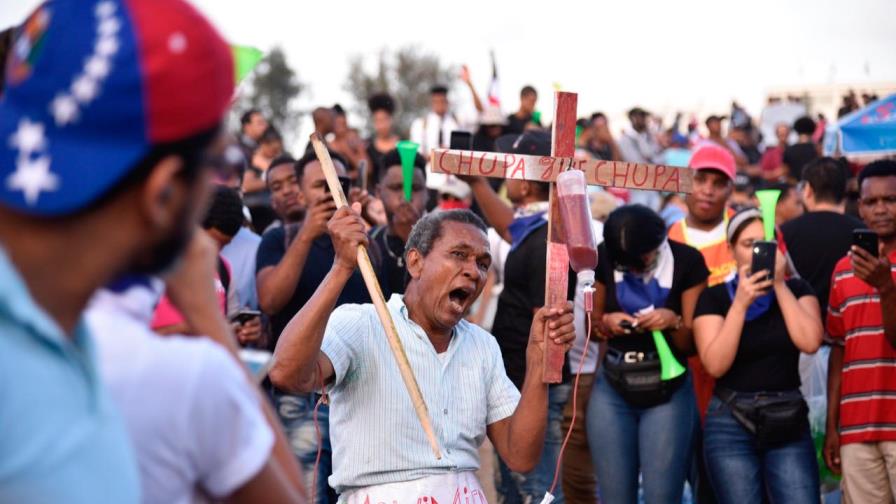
[(545, 169)]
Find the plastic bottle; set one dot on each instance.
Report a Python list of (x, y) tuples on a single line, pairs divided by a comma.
[(580, 243)]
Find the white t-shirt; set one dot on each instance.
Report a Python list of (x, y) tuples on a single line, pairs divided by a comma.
[(192, 415), (699, 238)]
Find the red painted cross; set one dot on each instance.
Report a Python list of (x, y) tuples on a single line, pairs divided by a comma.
[(546, 169)]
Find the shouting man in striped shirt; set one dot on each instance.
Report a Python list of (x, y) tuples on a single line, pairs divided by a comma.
[(380, 453), (862, 380)]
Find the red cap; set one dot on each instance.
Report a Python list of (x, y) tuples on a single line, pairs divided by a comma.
[(710, 156)]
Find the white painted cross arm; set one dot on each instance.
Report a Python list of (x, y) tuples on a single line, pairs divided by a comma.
[(546, 168)]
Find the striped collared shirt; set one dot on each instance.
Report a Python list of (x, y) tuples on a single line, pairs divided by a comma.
[(868, 387), (374, 432)]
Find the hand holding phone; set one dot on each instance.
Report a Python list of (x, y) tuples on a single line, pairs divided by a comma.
[(244, 315), (751, 286), (866, 239), (764, 253), (868, 264)]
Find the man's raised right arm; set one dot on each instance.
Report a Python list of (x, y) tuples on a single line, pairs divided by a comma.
[(277, 283), (299, 365)]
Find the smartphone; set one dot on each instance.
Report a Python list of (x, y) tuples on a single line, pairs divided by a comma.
[(244, 315), (361, 181), (461, 140), (764, 257), (346, 184), (866, 239), (629, 326)]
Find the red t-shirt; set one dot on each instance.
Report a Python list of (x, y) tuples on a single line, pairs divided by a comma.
[(772, 158), (868, 386), (166, 314)]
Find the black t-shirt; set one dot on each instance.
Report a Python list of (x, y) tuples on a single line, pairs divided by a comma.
[(797, 156), (516, 125), (387, 253), (690, 270), (816, 241), (318, 263), (482, 142), (376, 160), (752, 153), (524, 277), (766, 359)]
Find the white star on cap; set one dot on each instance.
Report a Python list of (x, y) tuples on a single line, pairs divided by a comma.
[(84, 88), (32, 177), (64, 109), (97, 67), (105, 9), (106, 46), (29, 137), (108, 27)]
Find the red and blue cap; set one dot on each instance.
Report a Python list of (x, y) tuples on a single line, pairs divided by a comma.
[(92, 85)]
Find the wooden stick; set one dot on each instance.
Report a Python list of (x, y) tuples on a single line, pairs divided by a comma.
[(376, 295), (563, 145)]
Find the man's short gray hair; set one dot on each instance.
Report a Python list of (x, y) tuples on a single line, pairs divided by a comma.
[(429, 228)]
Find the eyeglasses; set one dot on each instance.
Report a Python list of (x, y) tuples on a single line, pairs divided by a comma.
[(889, 200)]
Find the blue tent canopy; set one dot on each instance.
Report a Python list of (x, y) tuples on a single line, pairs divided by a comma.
[(870, 130)]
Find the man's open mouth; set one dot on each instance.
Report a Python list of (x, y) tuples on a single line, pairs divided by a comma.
[(459, 298)]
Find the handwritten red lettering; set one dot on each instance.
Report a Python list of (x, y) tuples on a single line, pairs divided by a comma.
[(597, 170), (462, 162), (547, 167), (643, 169), (658, 175), (509, 159), (438, 166), (673, 182), (620, 170), (491, 169), (519, 171)]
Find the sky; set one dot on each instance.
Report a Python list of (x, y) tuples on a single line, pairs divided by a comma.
[(692, 55)]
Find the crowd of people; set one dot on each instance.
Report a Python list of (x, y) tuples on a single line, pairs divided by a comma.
[(183, 316)]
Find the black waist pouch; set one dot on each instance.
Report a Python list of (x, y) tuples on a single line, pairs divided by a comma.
[(774, 418), (639, 381)]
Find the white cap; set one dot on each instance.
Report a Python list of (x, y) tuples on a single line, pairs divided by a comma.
[(586, 277)]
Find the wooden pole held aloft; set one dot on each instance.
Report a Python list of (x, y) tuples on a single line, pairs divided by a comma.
[(376, 295)]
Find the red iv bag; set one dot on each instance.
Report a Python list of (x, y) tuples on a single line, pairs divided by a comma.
[(576, 214)]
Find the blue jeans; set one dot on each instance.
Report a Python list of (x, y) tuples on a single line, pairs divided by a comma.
[(743, 471), (516, 488), (296, 415), (656, 442)]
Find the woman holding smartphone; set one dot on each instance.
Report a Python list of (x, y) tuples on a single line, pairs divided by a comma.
[(638, 422), (749, 332)]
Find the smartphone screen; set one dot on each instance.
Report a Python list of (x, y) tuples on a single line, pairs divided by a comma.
[(362, 175), (764, 257), (461, 140), (867, 239), (346, 184)]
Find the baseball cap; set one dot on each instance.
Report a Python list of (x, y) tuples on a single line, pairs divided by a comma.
[(492, 116), (531, 142), (91, 86), (455, 187), (710, 156)]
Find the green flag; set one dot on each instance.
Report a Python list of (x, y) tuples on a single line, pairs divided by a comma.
[(244, 60)]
